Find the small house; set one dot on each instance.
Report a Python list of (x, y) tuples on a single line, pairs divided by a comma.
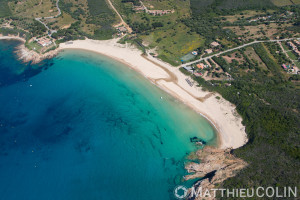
[(44, 41), (200, 66), (214, 44), (208, 51), (122, 29)]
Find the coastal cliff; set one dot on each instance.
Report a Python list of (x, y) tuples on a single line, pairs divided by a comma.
[(216, 166)]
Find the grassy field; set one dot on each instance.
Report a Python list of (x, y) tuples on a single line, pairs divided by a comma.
[(244, 14), (33, 8), (4, 9), (297, 2), (249, 51), (64, 21), (285, 2), (284, 45), (158, 5), (174, 43), (292, 55), (34, 46), (199, 7), (297, 64), (282, 2), (173, 39), (271, 57), (254, 32), (97, 7)]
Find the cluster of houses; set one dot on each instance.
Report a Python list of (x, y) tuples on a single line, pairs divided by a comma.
[(213, 45), (294, 47), (44, 41), (260, 19), (152, 12), (290, 68), (160, 12), (196, 71), (121, 30), (282, 17)]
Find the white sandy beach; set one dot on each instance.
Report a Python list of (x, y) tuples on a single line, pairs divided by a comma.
[(221, 113)]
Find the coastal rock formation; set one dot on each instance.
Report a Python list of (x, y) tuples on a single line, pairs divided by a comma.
[(216, 166), (27, 55)]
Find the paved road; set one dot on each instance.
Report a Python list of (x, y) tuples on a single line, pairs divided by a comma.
[(51, 17), (239, 47)]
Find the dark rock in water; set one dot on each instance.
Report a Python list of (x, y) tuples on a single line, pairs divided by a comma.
[(197, 141)]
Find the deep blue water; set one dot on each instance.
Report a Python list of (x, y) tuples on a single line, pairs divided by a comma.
[(82, 126)]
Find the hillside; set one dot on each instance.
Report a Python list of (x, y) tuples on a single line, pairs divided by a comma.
[(199, 7)]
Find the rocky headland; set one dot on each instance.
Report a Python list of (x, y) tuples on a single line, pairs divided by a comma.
[(27, 55), (216, 165)]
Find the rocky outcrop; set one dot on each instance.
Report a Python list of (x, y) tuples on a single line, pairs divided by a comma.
[(27, 55), (216, 166)]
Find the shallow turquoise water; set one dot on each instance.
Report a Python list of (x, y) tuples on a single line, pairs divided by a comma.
[(82, 126)]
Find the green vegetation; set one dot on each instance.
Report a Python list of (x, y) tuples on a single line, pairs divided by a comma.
[(223, 64), (98, 7), (21, 33), (4, 9), (34, 46), (93, 19), (277, 53), (184, 71), (101, 14), (270, 63), (269, 104), (225, 6), (168, 33), (267, 98), (285, 2), (292, 55)]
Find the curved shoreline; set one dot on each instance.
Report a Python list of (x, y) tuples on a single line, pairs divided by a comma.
[(230, 131)]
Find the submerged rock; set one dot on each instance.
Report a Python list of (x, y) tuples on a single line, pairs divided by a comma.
[(197, 141)]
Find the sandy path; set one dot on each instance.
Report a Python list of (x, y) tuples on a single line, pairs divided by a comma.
[(121, 18)]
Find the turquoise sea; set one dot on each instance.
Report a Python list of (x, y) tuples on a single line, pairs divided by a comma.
[(84, 127)]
